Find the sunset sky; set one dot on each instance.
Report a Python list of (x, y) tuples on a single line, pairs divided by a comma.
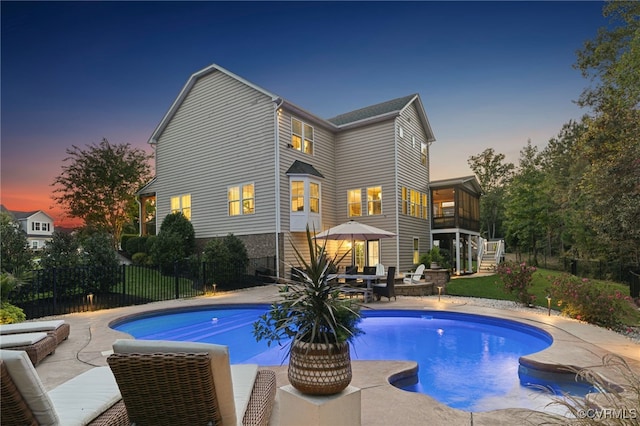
[(490, 74)]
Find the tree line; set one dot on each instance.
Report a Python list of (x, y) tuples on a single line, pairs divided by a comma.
[(579, 196)]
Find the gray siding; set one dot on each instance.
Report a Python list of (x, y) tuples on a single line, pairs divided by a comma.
[(323, 160), (414, 175), (365, 157), (222, 135)]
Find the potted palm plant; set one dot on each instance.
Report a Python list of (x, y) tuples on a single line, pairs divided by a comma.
[(316, 322)]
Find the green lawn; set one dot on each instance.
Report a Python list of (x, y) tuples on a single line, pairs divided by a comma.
[(490, 287)]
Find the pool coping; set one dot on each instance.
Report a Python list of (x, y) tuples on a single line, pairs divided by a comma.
[(575, 344)]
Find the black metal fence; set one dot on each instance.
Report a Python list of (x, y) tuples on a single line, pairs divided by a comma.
[(87, 288)]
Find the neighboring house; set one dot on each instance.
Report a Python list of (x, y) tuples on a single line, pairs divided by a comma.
[(235, 158), (36, 224), (455, 223)]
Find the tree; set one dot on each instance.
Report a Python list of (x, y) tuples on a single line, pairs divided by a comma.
[(179, 224), (61, 251), (526, 206), (100, 258), (493, 174), (611, 144), (15, 254), (98, 184)]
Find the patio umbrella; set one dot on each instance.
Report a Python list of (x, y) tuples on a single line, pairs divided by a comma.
[(352, 231)]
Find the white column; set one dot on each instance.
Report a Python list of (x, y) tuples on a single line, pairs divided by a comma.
[(470, 254), (457, 252)]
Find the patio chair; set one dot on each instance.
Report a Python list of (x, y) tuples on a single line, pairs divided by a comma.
[(388, 289), (188, 383), (415, 276), (91, 398), (369, 270), (57, 328), (37, 345)]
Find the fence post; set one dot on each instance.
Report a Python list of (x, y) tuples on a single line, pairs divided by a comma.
[(176, 279), (55, 292)]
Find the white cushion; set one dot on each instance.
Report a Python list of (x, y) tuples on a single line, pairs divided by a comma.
[(29, 327), (30, 387), (83, 398), (219, 366), (243, 377), (21, 339)]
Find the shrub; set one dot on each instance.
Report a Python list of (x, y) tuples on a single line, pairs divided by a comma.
[(10, 314), (140, 259), (100, 257), (593, 302), (228, 257), (136, 245), (166, 250), (181, 226), (516, 279)]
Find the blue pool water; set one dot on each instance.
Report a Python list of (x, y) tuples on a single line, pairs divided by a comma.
[(469, 362)]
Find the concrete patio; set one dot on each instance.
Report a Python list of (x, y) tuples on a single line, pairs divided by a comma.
[(575, 343)]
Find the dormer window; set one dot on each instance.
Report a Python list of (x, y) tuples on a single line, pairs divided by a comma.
[(301, 136)]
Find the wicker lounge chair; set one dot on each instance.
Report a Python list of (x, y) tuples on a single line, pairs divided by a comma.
[(92, 398), (57, 328), (186, 383), (37, 345)]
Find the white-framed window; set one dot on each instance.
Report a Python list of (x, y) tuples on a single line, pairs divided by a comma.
[(414, 203), (373, 252), (416, 251), (34, 245), (374, 200), (297, 196), (423, 153), (314, 197), (241, 199), (181, 204), (301, 136), (354, 202)]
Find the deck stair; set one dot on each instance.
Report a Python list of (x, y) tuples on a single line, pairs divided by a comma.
[(488, 261)]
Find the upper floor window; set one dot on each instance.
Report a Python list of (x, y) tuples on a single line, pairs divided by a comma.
[(40, 226), (301, 136), (374, 200), (414, 203), (354, 202), (423, 153), (182, 204), (241, 199)]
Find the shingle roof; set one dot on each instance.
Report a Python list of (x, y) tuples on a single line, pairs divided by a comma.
[(372, 111), (301, 168)]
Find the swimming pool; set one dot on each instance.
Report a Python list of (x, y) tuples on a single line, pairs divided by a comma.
[(469, 362)]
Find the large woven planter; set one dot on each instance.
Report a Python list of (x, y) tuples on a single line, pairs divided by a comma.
[(320, 368)]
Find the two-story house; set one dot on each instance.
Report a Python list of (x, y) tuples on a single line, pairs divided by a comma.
[(236, 158), (36, 224)]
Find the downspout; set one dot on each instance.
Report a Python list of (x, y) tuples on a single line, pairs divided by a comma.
[(395, 172), (140, 219), (278, 103)]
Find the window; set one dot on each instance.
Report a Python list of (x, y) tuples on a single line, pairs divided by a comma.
[(414, 203), (241, 195), (182, 204), (354, 202), (301, 136), (423, 154), (297, 196), (373, 252), (314, 197), (34, 245), (374, 200), (416, 251)]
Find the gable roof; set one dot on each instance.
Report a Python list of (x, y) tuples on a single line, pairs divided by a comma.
[(471, 182), (185, 91), (20, 215), (383, 108), (301, 168), (359, 117)]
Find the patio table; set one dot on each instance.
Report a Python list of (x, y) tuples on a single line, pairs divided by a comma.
[(368, 279)]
